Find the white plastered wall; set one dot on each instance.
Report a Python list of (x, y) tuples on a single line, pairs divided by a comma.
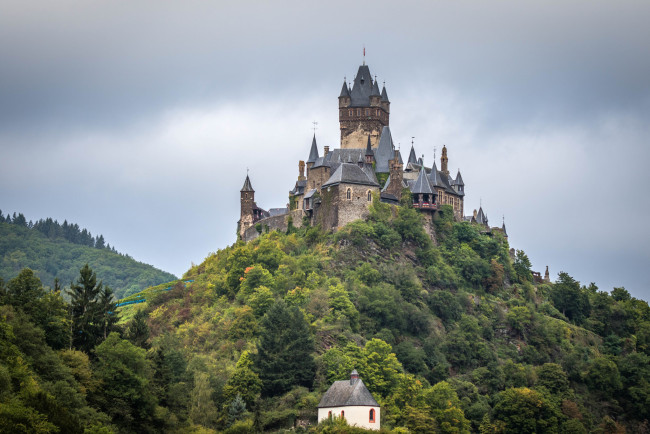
[(354, 415)]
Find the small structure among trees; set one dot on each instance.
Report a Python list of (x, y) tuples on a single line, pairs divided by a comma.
[(350, 400)]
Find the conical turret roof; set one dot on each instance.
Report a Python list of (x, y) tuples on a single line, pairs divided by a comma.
[(247, 185), (434, 177), (344, 90), (369, 150), (375, 89), (362, 88), (313, 153), (459, 179), (421, 185), (412, 158), (384, 95)]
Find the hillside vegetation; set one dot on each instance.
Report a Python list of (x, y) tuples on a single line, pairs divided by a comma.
[(55, 257), (452, 337)]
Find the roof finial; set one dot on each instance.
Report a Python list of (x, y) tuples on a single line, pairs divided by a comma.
[(503, 219), (412, 139), (315, 127), (247, 171), (364, 54), (434, 153)]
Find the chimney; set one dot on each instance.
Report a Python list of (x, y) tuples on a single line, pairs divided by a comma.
[(327, 151), (354, 376), (474, 214), (301, 170)]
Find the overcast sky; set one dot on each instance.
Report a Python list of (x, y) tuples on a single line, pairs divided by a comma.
[(138, 120)]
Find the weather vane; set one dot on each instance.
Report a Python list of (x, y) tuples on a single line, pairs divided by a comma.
[(434, 153), (364, 54), (412, 140), (315, 127)]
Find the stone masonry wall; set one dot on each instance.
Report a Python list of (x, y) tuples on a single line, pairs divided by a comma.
[(357, 206), (278, 222)]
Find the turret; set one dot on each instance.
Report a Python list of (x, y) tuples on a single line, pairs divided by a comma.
[(443, 161), (412, 158), (247, 198), (313, 153), (301, 170), (362, 110), (344, 97), (370, 155), (385, 103), (459, 185)]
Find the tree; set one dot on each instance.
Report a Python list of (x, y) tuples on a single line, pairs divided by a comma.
[(522, 267), (284, 350), (569, 299), (138, 331), (244, 382), (106, 311), (523, 410), (125, 377), (86, 314)]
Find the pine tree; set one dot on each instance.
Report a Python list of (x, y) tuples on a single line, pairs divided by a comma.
[(138, 331), (85, 310), (284, 357)]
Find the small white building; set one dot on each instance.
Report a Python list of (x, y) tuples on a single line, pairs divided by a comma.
[(351, 400)]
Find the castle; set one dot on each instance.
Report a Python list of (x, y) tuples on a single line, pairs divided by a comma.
[(336, 188)]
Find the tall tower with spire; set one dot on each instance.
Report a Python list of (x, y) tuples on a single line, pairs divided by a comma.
[(247, 203), (443, 161), (363, 110)]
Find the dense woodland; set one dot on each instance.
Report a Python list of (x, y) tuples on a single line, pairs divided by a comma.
[(450, 336), (57, 251)]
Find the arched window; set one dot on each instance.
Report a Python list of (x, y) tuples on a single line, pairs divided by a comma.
[(367, 112), (349, 194), (358, 112), (342, 414), (350, 112), (369, 196), (329, 414), (371, 416)]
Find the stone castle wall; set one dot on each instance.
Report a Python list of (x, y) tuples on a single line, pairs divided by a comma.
[(278, 222), (336, 210)]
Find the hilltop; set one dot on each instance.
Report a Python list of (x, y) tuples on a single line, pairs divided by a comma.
[(56, 256), (451, 334)]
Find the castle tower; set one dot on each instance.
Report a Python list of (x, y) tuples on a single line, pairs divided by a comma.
[(301, 170), (396, 177), (313, 154), (443, 161), (363, 111), (247, 199)]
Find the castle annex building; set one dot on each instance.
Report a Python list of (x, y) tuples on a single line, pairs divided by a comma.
[(336, 186)]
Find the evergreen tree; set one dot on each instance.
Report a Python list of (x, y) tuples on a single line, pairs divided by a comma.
[(99, 243), (107, 315), (284, 358), (85, 310), (138, 331)]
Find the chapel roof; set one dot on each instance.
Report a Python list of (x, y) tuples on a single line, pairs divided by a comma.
[(348, 393)]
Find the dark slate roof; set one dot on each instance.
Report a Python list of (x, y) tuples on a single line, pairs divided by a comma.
[(412, 157), (247, 185), (375, 89), (385, 151), (299, 188), (386, 185), (399, 157), (421, 185), (434, 177), (344, 90), (310, 194), (459, 179), (278, 211), (349, 174), (480, 216), (362, 88), (369, 150), (384, 95), (313, 153), (388, 198), (445, 183), (347, 393), (503, 228)]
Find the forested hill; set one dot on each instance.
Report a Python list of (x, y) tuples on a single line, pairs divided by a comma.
[(56, 257), (451, 336)]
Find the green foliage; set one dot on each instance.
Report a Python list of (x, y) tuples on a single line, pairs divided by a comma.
[(284, 352), (244, 382), (524, 410), (51, 258), (570, 299)]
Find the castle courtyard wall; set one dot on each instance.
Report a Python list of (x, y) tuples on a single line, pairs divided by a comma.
[(274, 223)]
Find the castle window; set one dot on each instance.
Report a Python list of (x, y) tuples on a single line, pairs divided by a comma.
[(329, 415), (342, 414), (358, 112), (369, 196), (350, 112), (367, 112), (377, 112), (371, 415), (349, 194)]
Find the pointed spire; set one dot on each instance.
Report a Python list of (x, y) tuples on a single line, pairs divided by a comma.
[(369, 147), (434, 176), (384, 95), (247, 185), (345, 92), (375, 89), (421, 185), (313, 153), (349, 157), (503, 228), (459, 179), (412, 158)]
